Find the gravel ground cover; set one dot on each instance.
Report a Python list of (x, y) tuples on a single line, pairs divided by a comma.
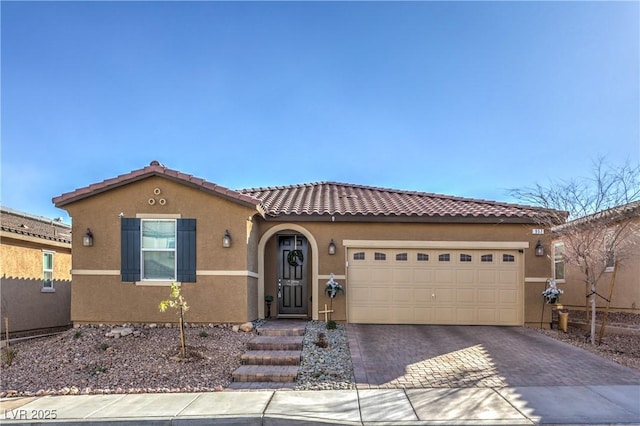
[(325, 367), (84, 361)]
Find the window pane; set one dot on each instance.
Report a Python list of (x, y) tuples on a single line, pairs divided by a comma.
[(508, 258), (423, 257), (465, 258), (559, 271), (47, 262), (401, 256), (380, 256), (444, 257), (47, 279), (486, 258), (358, 256), (159, 265), (158, 234)]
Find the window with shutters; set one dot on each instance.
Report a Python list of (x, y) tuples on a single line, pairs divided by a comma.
[(158, 250)]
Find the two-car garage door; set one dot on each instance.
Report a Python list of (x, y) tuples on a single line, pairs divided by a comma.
[(429, 286)]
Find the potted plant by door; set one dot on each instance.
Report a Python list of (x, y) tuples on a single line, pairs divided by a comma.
[(268, 299)]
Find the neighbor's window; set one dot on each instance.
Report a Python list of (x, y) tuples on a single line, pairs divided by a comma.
[(158, 250), (610, 260), (47, 270), (558, 261)]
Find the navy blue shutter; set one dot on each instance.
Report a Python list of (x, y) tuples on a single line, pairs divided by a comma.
[(130, 249), (186, 248)]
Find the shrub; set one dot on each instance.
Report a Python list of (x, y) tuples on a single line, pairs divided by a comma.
[(331, 325)]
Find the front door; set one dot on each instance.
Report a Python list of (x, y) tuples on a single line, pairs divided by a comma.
[(292, 275)]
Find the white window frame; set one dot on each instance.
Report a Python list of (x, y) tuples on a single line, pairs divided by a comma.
[(47, 288), (171, 249), (557, 260)]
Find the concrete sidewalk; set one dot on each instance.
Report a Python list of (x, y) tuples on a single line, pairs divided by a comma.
[(467, 406)]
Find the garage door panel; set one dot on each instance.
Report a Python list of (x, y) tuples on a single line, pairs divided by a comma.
[(508, 297), (423, 275), (466, 295), (465, 276), (420, 289), (402, 275), (444, 276), (402, 295)]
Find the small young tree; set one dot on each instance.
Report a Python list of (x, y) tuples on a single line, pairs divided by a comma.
[(176, 301), (599, 209)]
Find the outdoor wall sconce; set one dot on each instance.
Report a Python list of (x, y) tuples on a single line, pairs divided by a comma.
[(332, 247), (539, 249), (226, 240), (87, 240)]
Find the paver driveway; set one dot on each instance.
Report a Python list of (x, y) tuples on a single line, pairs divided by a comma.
[(434, 356)]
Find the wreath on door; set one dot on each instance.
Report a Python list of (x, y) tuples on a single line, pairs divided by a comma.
[(294, 256)]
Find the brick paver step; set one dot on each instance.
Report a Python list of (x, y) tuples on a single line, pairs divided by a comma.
[(282, 329), (271, 358), (265, 373), (275, 343)]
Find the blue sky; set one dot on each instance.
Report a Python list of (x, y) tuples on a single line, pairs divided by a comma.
[(460, 98)]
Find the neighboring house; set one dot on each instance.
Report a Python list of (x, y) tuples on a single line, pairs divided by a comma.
[(403, 257), (626, 290), (35, 257)]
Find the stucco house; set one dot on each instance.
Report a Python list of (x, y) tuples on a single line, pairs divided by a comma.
[(403, 257), (35, 260), (626, 289)]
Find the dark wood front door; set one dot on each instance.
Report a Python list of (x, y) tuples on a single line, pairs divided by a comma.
[(293, 288)]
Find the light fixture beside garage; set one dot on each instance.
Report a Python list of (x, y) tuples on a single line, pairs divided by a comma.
[(332, 247), (226, 240), (539, 249), (87, 239)]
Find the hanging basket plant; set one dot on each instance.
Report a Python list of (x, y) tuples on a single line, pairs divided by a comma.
[(552, 293), (294, 256)]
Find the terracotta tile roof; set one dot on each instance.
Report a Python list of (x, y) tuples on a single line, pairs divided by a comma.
[(330, 199), (34, 226), (155, 169), (341, 199)]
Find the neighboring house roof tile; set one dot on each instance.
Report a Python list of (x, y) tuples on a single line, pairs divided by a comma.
[(34, 226), (342, 199), (155, 169), (331, 199), (612, 215)]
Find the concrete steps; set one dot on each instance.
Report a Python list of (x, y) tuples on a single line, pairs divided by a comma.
[(272, 358)]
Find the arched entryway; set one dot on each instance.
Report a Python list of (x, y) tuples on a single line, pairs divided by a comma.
[(313, 245)]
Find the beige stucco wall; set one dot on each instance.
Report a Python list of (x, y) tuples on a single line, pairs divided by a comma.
[(626, 290), (225, 290)]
